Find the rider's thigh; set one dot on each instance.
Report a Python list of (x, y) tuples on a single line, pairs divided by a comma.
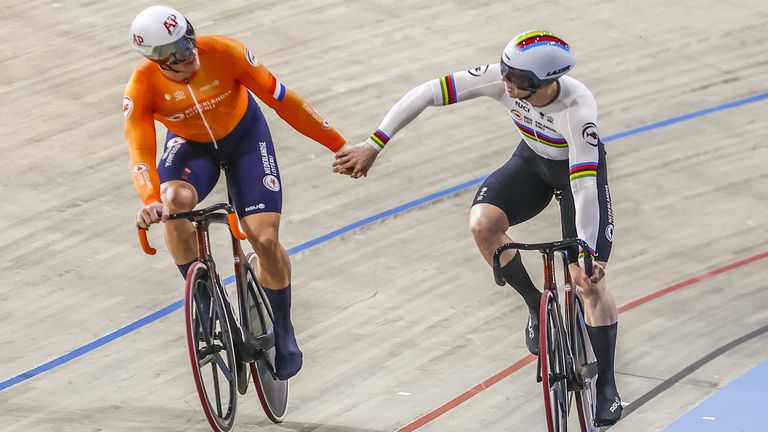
[(253, 175), (187, 164), (516, 188)]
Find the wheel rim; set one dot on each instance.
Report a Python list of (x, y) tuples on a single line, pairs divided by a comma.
[(211, 354), (554, 384), (583, 356)]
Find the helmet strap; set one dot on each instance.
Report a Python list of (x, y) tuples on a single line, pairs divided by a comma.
[(166, 66), (531, 92)]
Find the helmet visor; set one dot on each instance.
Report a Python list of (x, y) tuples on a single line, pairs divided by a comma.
[(521, 79), (177, 52)]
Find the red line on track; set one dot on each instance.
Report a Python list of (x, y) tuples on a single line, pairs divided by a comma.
[(453, 403)]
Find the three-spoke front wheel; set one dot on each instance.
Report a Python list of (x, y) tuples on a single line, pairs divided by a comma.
[(211, 350), (553, 366), (586, 368)]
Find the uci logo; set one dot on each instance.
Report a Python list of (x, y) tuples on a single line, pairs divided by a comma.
[(559, 71)]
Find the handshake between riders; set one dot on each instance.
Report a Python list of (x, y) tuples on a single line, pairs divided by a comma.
[(198, 88)]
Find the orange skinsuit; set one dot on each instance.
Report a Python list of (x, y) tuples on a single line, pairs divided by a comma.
[(227, 69)]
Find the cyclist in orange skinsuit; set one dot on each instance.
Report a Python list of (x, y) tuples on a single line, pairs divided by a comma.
[(198, 88)]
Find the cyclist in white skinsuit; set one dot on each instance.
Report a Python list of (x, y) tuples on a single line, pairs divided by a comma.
[(560, 154)]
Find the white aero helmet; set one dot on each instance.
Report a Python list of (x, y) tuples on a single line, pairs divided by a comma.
[(534, 59), (162, 34)]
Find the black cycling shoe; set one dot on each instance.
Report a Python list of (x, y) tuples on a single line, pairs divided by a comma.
[(608, 410), (532, 333)]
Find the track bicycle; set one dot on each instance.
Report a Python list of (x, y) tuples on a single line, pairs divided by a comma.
[(226, 345), (566, 365)]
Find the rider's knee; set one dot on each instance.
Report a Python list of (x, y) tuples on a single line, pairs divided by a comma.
[(485, 227), (479, 228), (179, 197), (264, 242)]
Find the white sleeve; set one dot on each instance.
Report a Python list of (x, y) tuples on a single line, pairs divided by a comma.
[(456, 87), (583, 156)]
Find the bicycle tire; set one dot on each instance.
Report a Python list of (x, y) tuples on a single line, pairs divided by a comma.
[(553, 367), (272, 392), (216, 349), (586, 368)]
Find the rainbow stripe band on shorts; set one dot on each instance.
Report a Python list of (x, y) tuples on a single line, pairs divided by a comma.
[(380, 138)]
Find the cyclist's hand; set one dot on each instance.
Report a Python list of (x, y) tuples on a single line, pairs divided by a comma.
[(152, 213), (355, 161), (579, 275)]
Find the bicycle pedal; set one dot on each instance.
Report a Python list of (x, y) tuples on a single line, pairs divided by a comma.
[(575, 385), (553, 378), (589, 370), (243, 377)]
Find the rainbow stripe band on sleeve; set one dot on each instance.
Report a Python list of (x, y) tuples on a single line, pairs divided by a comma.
[(448, 90), (380, 138), (278, 89), (582, 170), (591, 252)]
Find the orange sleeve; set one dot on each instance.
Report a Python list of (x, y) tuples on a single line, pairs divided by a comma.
[(139, 129), (287, 104)]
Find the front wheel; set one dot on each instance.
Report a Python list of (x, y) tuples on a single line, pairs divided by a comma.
[(273, 393), (586, 368), (553, 369), (211, 350)]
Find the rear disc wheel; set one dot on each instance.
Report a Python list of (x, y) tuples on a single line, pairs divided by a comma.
[(273, 393)]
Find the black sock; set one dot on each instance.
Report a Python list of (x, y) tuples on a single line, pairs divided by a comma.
[(183, 268), (604, 344), (514, 273)]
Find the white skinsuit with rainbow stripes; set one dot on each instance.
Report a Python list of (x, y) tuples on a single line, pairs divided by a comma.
[(566, 129)]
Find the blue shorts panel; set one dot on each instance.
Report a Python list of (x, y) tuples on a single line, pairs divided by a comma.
[(247, 155), (253, 177), (191, 162)]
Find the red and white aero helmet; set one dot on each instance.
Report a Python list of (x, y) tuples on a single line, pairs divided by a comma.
[(536, 58), (160, 32)]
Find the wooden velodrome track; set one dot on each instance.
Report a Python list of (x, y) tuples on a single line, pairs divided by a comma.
[(400, 317)]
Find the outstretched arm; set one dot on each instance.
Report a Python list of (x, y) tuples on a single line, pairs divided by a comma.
[(287, 104), (450, 89)]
